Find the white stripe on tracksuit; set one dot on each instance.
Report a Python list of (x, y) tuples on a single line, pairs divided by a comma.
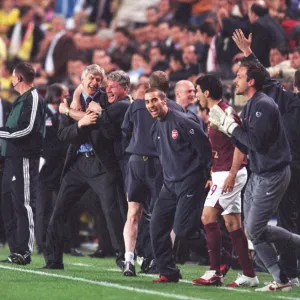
[(27, 130), (26, 176)]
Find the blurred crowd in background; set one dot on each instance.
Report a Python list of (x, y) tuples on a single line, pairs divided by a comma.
[(184, 38)]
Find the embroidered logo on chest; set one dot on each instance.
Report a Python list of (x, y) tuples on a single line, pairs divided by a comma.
[(174, 134)]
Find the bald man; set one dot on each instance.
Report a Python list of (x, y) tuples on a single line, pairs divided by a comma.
[(185, 94)]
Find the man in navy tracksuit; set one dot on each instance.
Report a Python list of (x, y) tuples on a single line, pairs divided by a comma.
[(144, 179), (185, 154), (289, 107), (268, 149)]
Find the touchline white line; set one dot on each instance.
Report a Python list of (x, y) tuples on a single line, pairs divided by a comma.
[(219, 287), (186, 281), (104, 283)]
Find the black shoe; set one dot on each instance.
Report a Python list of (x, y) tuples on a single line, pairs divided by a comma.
[(149, 267), (129, 269), (53, 266), (7, 260), (120, 261), (98, 254), (21, 259), (153, 268), (76, 252), (145, 265)]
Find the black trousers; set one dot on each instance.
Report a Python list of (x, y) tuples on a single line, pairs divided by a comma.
[(177, 207), (19, 190), (47, 194), (90, 203), (44, 209), (85, 172), (288, 215)]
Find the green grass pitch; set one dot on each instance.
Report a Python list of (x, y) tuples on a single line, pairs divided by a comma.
[(92, 278)]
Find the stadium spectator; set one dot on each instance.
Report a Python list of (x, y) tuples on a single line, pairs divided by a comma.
[(55, 57), (25, 36), (280, 64), (267, 33), (158, 59), (9, 16), (122, 48)]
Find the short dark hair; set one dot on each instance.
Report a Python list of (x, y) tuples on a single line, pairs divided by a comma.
[(26, 71), (124, 31), (255, 71), (160, 93), (297, 79), (283, 50), (259, 10), (177, 57), (208, 28), (54, 91), (212, 84), (160, 81), (161, 49), (24, 9)]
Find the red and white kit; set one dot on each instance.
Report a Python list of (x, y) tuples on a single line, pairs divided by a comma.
[(223, 150)]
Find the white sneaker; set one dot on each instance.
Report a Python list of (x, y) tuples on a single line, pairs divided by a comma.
[(243, 280), (276, 286), (295, 282)]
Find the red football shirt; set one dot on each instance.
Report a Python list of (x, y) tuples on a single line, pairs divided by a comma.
[(222, 147)]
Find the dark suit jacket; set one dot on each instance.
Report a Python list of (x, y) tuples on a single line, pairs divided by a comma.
[(38, 36), (266, 33), (54, 151), (63, 50), (101, 138), (225, 47)]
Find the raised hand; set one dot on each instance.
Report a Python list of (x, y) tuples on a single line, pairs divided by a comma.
[(242, 42)]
